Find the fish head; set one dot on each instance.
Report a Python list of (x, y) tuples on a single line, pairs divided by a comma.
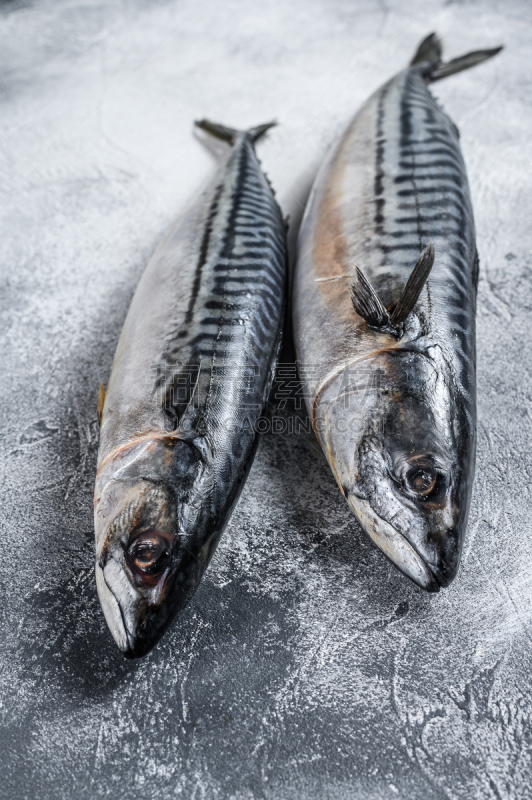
[(401, 444), (137, 564), (148, 557)]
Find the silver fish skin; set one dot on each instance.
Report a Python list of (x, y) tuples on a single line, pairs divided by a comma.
[(393, 406), (191, 376)]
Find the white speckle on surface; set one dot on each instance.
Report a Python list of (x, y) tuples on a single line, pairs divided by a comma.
[(305, 666)]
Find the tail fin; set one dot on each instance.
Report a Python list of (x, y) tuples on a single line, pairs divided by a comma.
[(229, 135), (430, 50), (429, 53)]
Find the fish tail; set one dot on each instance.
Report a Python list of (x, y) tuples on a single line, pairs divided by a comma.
[(429, 51), (230, 135), (429, 54)]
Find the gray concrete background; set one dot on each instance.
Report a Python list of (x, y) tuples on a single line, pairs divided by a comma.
[(305, 665)]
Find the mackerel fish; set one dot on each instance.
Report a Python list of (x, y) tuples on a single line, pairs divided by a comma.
[(191, 376), (384, 320)]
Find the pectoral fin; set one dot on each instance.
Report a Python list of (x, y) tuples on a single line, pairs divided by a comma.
[(413, 286), (101, 401), (368, 305)]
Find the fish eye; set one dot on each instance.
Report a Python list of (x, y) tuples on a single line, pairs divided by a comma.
[(421, 479), (149, 553)]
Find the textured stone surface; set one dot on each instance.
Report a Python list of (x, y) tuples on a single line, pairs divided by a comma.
[(305, 666)]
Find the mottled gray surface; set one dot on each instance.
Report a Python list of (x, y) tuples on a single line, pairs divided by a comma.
[(305, 666)]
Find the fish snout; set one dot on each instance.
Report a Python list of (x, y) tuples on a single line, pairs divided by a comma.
[(136, 619), (119, 601), (443, 558), (394, 545), (138, 547)]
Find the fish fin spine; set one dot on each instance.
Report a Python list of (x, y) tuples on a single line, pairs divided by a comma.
[(230, 135)]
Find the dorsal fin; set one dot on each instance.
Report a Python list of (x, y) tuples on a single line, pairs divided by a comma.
[(368, 305)]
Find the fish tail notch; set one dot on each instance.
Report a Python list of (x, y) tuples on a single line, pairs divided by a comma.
[(230, 135), (429, 55), (368, 305)]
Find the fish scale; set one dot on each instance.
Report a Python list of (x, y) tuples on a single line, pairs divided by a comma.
[(384, 320), (191, 376)]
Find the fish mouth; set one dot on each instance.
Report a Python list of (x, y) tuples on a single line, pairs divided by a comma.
[(119, 615), (114, 614), (394, 545), (135, 624)]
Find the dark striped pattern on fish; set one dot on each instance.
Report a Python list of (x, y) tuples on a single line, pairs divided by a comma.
[(422, 195), (235, 305), (393, 403), (192, 373)]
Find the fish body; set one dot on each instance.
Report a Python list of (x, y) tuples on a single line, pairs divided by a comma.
[(191, 375), (393, 405)]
